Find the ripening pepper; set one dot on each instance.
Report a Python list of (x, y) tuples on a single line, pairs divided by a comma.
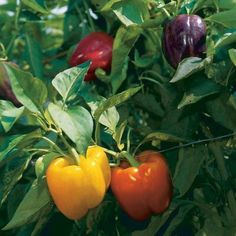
[(143, 190), (97, 48), (184, 36), (77, 188)]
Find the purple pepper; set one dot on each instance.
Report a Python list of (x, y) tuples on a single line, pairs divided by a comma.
[(184, 36)]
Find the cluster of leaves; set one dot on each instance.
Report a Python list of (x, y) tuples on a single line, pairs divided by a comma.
[(143, 103)]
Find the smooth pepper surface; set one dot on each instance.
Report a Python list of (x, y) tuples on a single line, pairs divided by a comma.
[(143, 190), (77, 188)]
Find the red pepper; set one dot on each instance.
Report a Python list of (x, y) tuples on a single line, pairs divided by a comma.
[(143, 190), (96, 47)]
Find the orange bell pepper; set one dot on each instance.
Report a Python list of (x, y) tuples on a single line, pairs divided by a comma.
[(143, 190)]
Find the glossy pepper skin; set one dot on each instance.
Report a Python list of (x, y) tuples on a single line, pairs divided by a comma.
[(96, 47), (143, 190), (184, 36), (77, 188)]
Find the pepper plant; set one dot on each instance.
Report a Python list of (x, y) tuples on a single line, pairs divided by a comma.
[(130, 133)]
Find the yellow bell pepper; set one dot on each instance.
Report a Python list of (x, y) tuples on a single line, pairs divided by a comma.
[(77, 188)]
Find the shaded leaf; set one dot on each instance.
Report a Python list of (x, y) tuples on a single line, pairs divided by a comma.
[(187, 67), (227, 39), (7, 144), (232, 100), (175, 122), (11, 173), (142, 61), (179, 218), (226, 18), (114, 101), (35, 6), (222, 111), (33, 203), (232, 55), (124, 41), (200, 88), (35, 55), (188, 166), (9, 114)]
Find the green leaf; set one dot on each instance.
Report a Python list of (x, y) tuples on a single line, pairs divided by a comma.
[(68, 82), (124, 41), (9, 114), (226, 39), (117, 135), (200, 88), (34, 54), (31, 92), (154, 106), (10, 143), (35, 6), (187, 67), (142, 61), (232, 55), (76, 122), (222, 111), (225, 18), (227, 4), (114, 101), (188, 166), (11, 173), (210, 225), (131, 12), (110, 102), (232, 100), (110, 117), (42, 219), (36, 199), (7, 144), (109, 4), (16, 196), (176, 122), (42, 164)]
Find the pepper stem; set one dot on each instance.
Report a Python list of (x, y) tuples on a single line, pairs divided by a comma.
[(130, 159), (112, 153), (75, 155)]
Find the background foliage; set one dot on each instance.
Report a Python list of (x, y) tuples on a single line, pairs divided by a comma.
[(188, 114)]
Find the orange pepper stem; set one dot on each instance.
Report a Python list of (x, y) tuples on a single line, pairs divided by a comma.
[(130, 159)]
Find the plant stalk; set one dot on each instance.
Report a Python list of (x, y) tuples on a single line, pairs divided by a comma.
[(130, 159)]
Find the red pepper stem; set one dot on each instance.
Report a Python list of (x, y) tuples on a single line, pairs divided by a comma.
[(130, 159)]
